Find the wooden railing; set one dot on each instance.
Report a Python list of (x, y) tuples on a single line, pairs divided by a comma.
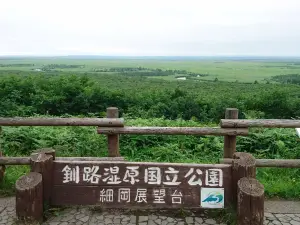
[(113, 127), (260, 123)]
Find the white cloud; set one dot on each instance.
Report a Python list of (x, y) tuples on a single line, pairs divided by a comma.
[(156, 27)]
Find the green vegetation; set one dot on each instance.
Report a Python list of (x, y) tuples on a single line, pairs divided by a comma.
[(148, 72), (50, 67), (288, 79), (17, 65), (141, 97), (87, 87)]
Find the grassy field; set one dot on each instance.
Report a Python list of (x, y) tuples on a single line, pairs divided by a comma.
[(224, 70)]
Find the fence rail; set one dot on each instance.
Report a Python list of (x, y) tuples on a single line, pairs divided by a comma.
[(174, 131), (281, 163), (268, 123), (100, 122), (26, 160)]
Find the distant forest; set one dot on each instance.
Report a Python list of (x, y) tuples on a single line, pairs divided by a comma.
[(288, 79)]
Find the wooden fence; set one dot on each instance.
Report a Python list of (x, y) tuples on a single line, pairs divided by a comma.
[(113, 182)]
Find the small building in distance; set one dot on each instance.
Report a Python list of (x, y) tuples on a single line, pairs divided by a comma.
[(181, 78)]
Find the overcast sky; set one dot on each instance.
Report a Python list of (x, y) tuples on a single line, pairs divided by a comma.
[(150, 27)]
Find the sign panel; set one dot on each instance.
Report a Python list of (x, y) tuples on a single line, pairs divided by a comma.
[(152, 185)]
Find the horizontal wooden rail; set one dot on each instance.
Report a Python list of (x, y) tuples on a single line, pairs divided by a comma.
[(282, 163), (14, 160), (173, 131), (236, 123), (89, 159), (26, 160), (100, 122)]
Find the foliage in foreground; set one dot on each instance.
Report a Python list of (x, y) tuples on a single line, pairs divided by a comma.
[(84, 141)]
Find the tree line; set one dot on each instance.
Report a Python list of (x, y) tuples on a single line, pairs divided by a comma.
[(142, 71), (287, 79)]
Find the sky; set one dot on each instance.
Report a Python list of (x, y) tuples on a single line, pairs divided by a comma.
[(150, 27)]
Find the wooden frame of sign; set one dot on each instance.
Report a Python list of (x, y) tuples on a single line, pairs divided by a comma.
[(112, 184)]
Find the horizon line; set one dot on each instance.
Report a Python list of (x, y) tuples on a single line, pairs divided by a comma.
[(98, 55)]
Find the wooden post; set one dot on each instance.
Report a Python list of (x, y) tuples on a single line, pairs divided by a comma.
[(113, 139), (230, 141), (2, 168), (243, 165), (43, 164), (47, 151), (29, 198), (250, 209)]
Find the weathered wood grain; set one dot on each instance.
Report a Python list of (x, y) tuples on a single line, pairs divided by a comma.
[(47, 151), (278, 163), (230, 141), (173, 131), (106, 122), (14, 161), (29, 198), (43, 164), (2, 168), (113, 139), (243, 165), (89, 158), (26, 160), (250, 210), (271, 123)]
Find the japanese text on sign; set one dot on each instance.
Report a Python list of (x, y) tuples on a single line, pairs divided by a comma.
[(139, 195), (151, 176)]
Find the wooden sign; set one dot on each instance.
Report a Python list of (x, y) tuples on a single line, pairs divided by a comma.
[(141, 185)]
